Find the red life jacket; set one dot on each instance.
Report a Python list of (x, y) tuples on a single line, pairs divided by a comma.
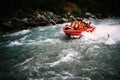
[(76, 25)]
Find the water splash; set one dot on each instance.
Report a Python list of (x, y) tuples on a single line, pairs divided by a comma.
[(104, 33), (67, 55), (23, 32), (15, 43)]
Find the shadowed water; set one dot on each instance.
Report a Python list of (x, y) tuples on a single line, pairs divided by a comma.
[(46, 53)]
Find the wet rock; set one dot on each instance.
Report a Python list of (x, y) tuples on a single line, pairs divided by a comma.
[(8, 24), (52, 21), (31, 24), (79, 19), (43, 17), (38, 16), (89, 15), (72, 17), (25, 19), (51, 14), (64, 20)]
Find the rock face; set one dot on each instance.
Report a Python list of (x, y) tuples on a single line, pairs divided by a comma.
[(87, 14), (28, 18)]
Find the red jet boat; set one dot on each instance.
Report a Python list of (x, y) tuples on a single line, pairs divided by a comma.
[(76, 33)]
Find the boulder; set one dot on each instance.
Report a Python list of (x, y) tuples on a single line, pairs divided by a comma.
[(89, 15), (8, 24)]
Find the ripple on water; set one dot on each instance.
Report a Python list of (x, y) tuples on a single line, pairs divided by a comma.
[(47, 54)]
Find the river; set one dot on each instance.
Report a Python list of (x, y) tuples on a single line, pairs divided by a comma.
[(46, 53)]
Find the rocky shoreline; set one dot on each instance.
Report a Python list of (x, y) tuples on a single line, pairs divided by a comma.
[(28, 18)]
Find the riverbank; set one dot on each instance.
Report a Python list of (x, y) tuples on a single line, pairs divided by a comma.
[(29, 18)]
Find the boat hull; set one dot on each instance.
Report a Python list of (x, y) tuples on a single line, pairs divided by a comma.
[(76, 33)]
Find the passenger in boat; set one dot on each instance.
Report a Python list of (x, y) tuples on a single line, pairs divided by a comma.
[(79, 25), (74, 24), (89, 23), (82, 25)]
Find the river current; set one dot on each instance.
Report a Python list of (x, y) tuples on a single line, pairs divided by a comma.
[(46, 53)]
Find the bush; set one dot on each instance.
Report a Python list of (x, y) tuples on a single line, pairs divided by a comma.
[(76, 11)]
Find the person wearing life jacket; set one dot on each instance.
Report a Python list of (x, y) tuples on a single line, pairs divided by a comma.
[(74, 24), (88, 24), (82, 25), (79, 25)]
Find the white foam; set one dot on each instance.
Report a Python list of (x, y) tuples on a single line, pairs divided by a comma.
[(67, 73), (104, 33), (52, 41), (88, 36), (53, 27), (88, 69), (19, 33), (26, 61), (23, 38), (110, 41), (103, 30), (67, 55), (96, 46), (15, 43), (23, 41)]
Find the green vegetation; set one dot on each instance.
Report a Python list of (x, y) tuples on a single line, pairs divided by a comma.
[(8, 7), (76, 11)]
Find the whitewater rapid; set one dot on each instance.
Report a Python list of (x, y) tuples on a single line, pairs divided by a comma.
[(46, 53), (106, 32)]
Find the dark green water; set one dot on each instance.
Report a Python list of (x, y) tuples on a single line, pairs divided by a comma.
[(47, 54)]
